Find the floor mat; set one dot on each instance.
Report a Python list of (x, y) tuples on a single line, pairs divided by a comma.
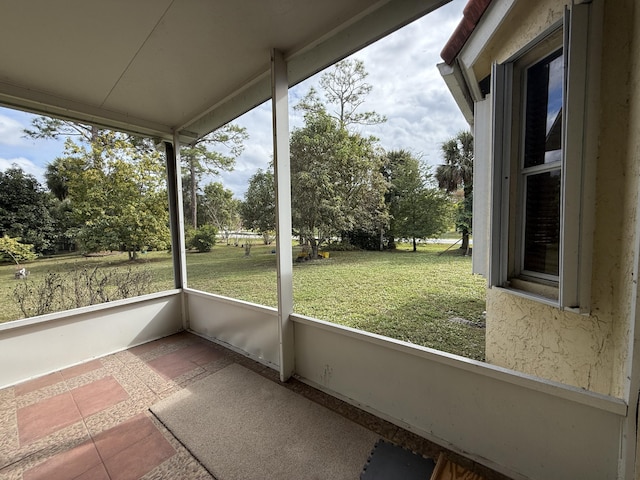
[(391, 462), (240, 425)]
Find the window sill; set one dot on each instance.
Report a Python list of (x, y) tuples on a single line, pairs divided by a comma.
[(537, 292), (549, 292), (529, 294)]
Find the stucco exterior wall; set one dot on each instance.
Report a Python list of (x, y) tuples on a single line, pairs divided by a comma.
[(540, 340), (588, 351), (531, 19)]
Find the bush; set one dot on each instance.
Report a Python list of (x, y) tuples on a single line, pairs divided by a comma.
[(204, 238), (362, 239), (12, 249), (341, 246)]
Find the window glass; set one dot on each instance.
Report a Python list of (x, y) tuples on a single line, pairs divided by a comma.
[(542, 223), (543, 122)]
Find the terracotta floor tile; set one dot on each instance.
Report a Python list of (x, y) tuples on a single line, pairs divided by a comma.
[(200, 354), (121, 437), (38, 383), (81, 369), (67, 465), (99, 395), (46, 416), (172, 365), (140, 458), (99, 472)]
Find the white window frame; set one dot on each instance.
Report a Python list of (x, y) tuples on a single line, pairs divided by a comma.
[(576, 211)]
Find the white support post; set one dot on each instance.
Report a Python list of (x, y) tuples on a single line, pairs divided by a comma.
[(282, 175)]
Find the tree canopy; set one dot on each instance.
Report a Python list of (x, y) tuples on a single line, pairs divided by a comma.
[(15, 250), (209, 155), (336, 182), (418, 208), (110, 187), (258, 209), (345, 90), (24, 209), (220, 208), (119, 202)]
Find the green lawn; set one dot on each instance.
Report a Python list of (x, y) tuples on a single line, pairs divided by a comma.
[(403, 295)]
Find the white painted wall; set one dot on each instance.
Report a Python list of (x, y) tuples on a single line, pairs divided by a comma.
[(40, 345), (525, 427), (242, 326)]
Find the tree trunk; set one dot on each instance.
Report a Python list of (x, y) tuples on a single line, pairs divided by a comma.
[(415, 245), (194, 194), (314, 248), (465, 242)]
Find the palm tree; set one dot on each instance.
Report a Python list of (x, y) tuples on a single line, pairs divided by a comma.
[(456, 172)]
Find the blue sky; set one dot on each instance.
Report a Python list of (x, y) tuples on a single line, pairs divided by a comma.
[(407, 89)]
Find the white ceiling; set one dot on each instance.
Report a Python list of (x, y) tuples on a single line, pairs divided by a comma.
[(158, 66)]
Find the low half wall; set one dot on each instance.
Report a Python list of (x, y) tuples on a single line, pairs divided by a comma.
[(37, 346)]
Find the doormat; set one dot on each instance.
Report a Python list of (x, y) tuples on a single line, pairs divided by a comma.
[(391, 462), (242, 426)]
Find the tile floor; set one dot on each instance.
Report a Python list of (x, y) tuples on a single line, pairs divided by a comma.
[(91, 422)]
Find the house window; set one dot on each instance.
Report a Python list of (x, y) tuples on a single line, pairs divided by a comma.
[(541, 170), (540, 238)]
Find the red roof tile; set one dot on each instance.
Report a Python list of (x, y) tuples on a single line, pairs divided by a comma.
[(471, 16)]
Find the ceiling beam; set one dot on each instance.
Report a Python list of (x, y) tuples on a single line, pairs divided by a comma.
[(41, 103)]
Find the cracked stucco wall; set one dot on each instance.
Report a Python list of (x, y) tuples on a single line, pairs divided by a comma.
[(587, 351)]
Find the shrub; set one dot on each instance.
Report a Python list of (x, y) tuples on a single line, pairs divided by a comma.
[(79, 288), (362, 239), (204, 238), (12, 249)]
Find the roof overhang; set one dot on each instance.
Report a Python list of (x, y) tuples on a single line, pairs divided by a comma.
[(159, 67), (481, 20)]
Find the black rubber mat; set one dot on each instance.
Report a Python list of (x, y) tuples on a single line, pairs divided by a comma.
[(391, 462)]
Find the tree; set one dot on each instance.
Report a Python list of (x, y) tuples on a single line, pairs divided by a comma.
[(456, 172), (119, 201), (258, 210), (337, 186), (65, 225), (14, 249), (54, 128), (345, 88), (204, 238), (57, 175), (336, 183), (220, 208), (418, 209), (114, 184), (199, 159), (24, 209)]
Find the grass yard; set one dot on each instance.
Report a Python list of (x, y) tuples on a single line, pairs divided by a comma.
[(423, 298)]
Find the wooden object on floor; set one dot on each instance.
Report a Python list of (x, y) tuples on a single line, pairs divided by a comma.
[(448, 470)]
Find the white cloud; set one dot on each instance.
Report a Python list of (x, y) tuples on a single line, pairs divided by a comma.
[(25, 164), (407, 89), (11, 131)]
